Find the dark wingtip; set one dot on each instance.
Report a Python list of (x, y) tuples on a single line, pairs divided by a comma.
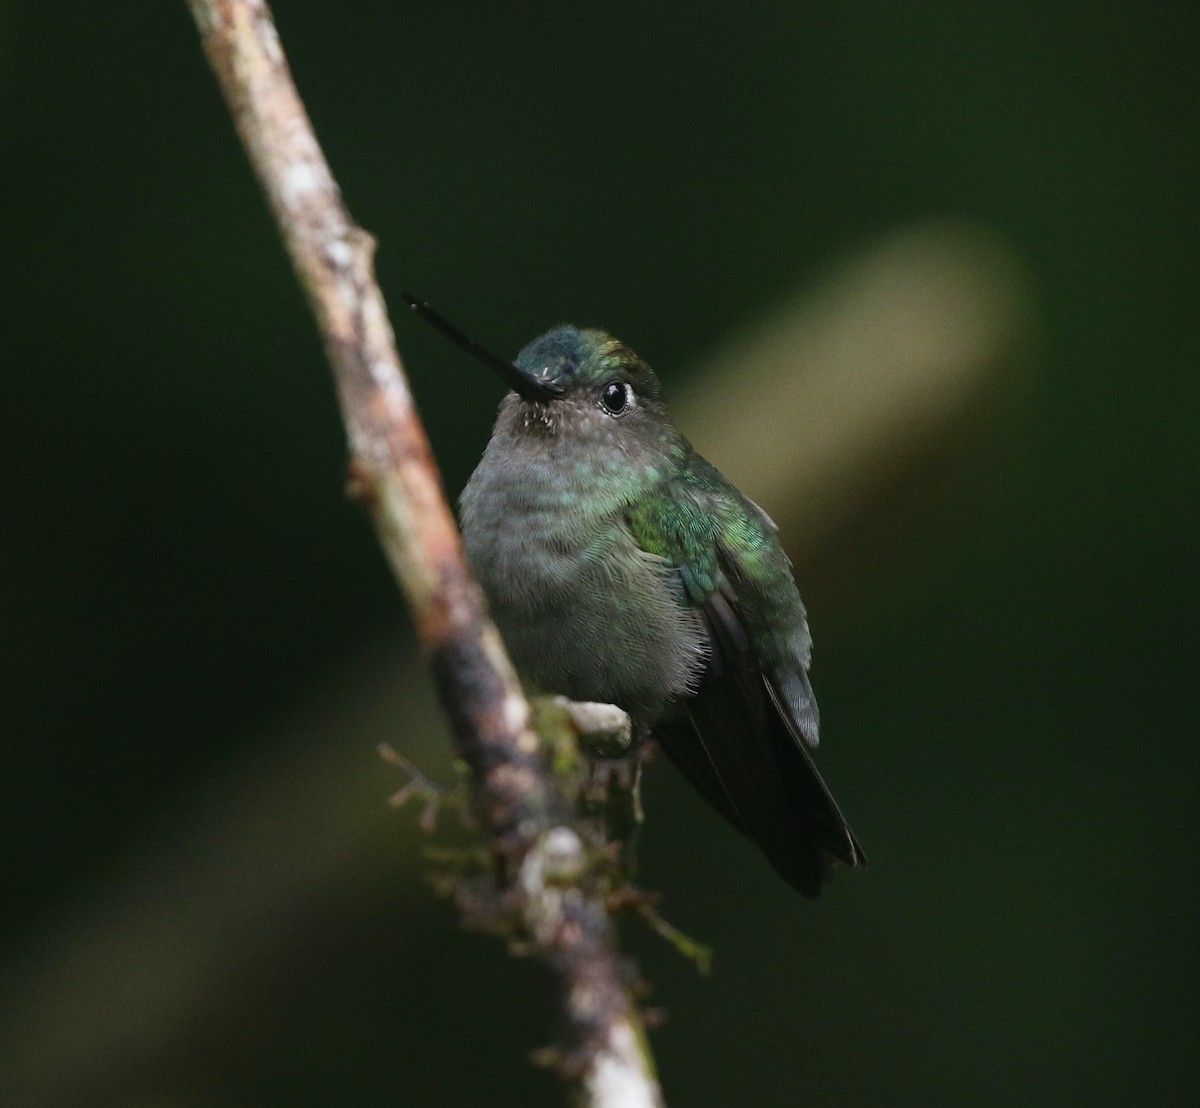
[(810, 876), (860, 855)]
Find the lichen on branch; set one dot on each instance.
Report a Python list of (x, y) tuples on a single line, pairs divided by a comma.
[(540, 861)]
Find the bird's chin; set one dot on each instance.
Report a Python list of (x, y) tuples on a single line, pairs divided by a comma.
[(528, 417), (537, 417)]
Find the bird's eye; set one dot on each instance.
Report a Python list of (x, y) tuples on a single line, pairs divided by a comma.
[(614, 397)]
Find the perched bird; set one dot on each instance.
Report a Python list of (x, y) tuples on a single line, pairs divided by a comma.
[(622, 567)]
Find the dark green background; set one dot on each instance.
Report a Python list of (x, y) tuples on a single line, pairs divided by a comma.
[(1009, 684)]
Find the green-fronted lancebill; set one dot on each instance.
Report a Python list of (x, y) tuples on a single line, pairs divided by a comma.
[(621, 567)]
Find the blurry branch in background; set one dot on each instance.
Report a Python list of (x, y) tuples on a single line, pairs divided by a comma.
[(901, 346), (904, 344), (546, 894), (851, 388)]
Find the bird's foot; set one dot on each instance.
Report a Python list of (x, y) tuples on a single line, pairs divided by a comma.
[(603, 730)]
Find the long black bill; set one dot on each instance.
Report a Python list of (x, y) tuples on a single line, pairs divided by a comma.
[(528, 387)]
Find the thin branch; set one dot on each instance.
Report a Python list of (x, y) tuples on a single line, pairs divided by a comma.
[(541, 861)]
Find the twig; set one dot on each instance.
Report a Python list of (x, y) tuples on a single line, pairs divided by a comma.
[(541, 863), (419, 785)]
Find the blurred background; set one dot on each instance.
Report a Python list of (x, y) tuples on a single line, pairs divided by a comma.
[(921, 278)]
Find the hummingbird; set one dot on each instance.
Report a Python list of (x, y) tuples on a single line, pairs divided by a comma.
[(621, 567)]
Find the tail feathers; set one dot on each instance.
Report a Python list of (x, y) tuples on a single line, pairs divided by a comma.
[(752, 768)]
